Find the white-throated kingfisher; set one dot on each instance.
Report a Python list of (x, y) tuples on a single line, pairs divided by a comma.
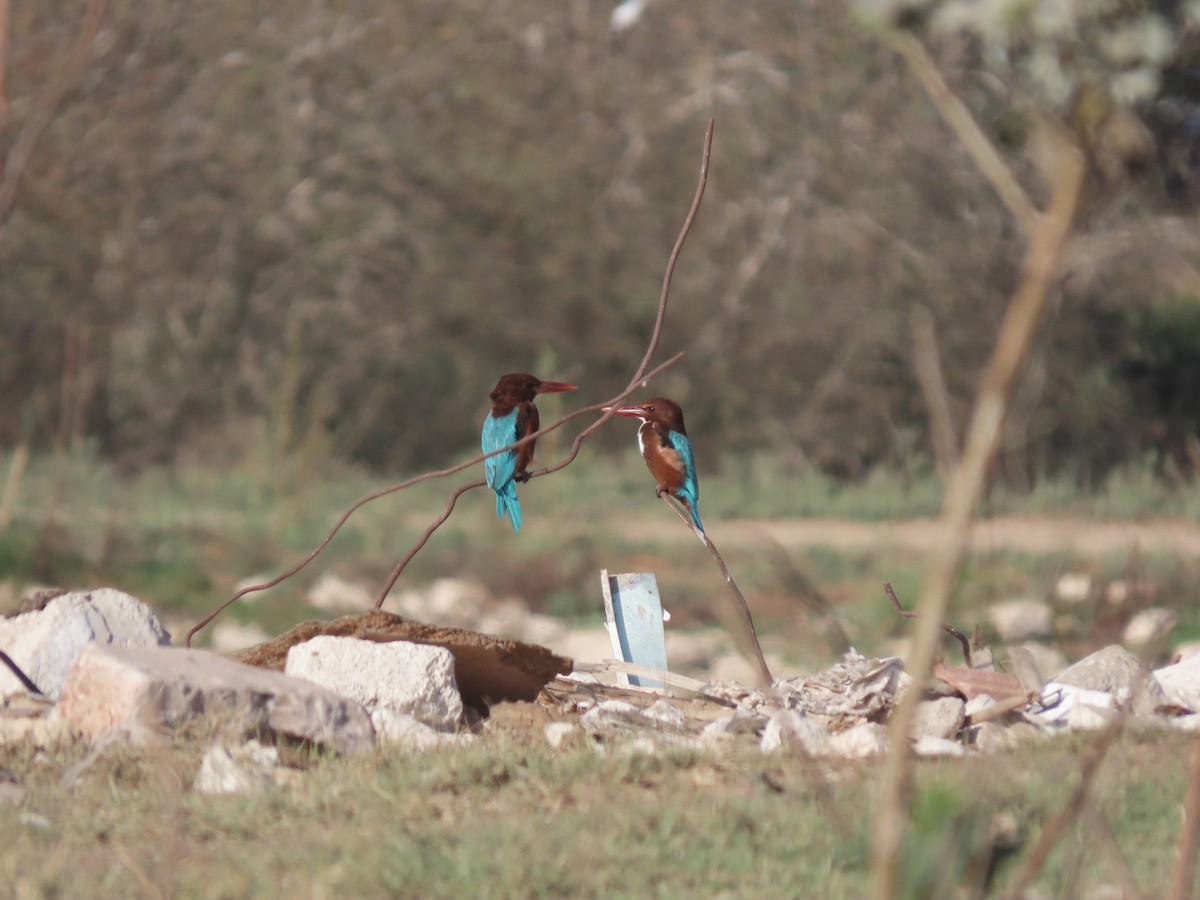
[(513, 415), (668, 453)]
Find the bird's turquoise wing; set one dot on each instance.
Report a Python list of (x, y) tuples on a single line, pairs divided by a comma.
[(691, 482), (500, 469)]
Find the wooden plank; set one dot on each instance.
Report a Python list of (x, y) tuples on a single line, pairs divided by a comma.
[(633, 613)]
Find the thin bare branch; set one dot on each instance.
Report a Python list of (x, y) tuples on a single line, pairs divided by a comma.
[(1184, 876), (45, 108), (639, 378), (927, 364), (1058, 823), (749, 640), (462, 489), (25, 680), (953, 632), (1020, 323), (983, 152)]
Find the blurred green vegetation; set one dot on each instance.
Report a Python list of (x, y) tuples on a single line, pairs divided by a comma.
[(509, 817), (184, 538), (255, 234)]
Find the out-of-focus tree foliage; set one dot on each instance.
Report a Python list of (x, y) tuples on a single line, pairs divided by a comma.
[(346, 220)]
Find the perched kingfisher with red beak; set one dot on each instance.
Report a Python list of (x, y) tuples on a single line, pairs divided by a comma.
[(663, 441), (513, 416)]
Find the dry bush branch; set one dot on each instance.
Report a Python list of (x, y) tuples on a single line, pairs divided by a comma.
[(749, 642), (1184, 875), (1020, 323), (1057, 825), (640, 376), (45, 107), (953, 632), (983, 152)]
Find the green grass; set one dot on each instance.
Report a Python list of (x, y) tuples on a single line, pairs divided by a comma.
[(183, 538), (509, 818)]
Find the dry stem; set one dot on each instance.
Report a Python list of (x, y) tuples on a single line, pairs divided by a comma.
[(638, 379), (750, 636), (962, 496)]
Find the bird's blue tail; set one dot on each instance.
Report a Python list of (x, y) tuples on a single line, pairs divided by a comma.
[(507, 503), (691, 505)]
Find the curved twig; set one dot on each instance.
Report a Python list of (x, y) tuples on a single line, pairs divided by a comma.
[(638, 378), (953, 632), (566, 461), (743, 608)]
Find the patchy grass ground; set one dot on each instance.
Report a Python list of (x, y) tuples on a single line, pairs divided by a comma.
[(508, 817)]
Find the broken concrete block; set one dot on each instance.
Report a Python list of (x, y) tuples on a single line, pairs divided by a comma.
[(45, 643), (409, 679), (1115, 670), (164, 687), (941, 718), (487, 669), (1180, 683)]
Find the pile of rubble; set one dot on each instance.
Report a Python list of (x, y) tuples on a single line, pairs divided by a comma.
[(104, 670)]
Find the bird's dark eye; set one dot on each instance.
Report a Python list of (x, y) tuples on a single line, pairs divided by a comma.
[(649, 407)]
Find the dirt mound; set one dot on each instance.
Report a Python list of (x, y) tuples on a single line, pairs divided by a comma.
[(488, 669)]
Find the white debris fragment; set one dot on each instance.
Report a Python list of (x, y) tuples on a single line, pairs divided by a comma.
[(558, 732), (789, 729), (236, 770), (666, 715), (934, 746)]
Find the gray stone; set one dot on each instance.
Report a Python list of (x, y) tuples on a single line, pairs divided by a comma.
[(932, 747), (45, 643), (942, 718), (402, 730), (164, 687), (410, 679), (1149, 626), (1115, 670)]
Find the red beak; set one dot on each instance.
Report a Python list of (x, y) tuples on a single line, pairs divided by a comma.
[(554, 387), (633, 411)]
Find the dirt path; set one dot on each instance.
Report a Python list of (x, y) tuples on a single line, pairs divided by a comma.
[(1035, 534)]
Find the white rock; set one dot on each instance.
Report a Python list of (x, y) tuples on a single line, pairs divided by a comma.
[(558, 732), (933, 746), (788, 729), (336, 594), (1151, 624), (163, 687), (1021, 620), (1115, 670), (411, 679), (1181, 683), (455, 602), (231, 635), (978, 704), (46, 643), (238, 770), (1066, 699), (867, 739), (402, 730), (1073, 587), (941, 718), (666, 715)]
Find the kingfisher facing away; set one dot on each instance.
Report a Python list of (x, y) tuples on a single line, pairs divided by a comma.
[(513, 416), (668, 452)]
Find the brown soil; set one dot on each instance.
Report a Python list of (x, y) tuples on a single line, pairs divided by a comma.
[(488, 669)]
